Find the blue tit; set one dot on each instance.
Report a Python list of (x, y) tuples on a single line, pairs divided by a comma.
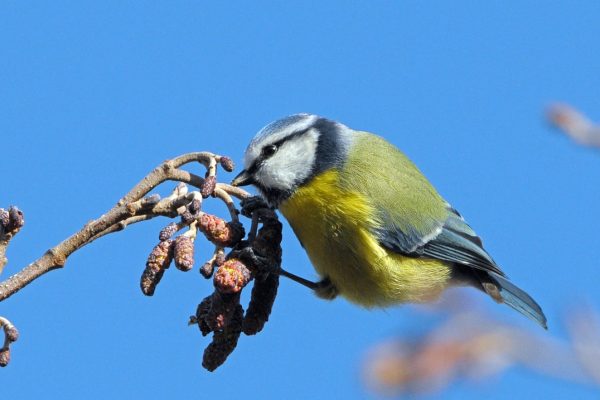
[(374, 228)]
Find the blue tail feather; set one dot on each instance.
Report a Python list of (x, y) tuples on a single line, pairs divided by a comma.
[(519, 300)]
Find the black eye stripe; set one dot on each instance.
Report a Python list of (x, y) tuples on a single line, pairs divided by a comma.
[(290, 137), (262, 157)]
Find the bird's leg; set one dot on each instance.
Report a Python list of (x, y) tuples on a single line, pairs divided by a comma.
[(324, 289)]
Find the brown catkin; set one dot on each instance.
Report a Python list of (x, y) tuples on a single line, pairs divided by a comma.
[(227, 164), (5, 357), (220, 232), (15, 222), (207, 269), (232, 276), (263, 296), (184, 253), (221, 309), (224, 342), (208, 187), (12, 334), (168, 231), (158, 261)]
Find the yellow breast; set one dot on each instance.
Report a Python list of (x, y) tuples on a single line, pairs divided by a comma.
[(334, 225)]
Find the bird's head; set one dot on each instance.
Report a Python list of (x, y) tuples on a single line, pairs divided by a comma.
[(289, 152)]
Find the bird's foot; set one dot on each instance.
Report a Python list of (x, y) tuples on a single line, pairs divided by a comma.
[(325, 289), (262, 266), (251, 204)]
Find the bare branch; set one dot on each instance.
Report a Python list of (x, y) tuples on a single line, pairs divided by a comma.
[(221, 312), (132, 208)]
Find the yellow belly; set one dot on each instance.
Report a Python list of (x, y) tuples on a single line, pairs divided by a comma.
[(334, 227)]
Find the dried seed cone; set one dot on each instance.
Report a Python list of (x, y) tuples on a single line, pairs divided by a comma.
[(158, 261), (227, 164), (232, 276), (184, 253), (261, 304), (168, 231), (12, 334), (219, 232), (208, 187), (5, 357), (224, 342)]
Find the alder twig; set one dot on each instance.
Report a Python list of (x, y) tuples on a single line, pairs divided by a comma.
[(11, 334), (129, 206), (219, 313)]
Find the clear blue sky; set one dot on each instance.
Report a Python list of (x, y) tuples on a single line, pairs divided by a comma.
[(92, 96)]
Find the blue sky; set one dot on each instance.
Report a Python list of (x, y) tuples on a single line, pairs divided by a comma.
[(95, 94)]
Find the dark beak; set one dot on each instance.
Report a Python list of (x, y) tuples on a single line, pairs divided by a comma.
[(243, 179)]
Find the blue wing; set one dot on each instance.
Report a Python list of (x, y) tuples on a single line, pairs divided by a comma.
[(452, 240), (456, 243)]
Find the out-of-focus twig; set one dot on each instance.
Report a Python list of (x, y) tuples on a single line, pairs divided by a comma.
[(469, 344), (574, 124)]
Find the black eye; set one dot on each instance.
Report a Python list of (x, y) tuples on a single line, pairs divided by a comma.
[(268, 151)]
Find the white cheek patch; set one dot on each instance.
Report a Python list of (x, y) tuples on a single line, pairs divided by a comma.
[(273, 133), (292, 163)]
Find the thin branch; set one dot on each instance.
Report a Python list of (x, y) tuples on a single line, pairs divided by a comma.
[(226, 198)]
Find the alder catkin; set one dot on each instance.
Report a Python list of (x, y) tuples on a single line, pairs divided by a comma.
[(184, 253), (158, 261), (208, 187), (168, 231), (227, 164), (232, 276), (11, 333), (5, 357), (224, 342), (262, 299), (220, 232)]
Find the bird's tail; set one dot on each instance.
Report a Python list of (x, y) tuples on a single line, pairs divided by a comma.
[(509, 294)]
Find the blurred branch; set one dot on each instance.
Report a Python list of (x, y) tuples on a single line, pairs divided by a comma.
[(468, 344), (574, 124)]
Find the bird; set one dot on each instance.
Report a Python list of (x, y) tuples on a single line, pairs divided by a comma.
[(375, 229)]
